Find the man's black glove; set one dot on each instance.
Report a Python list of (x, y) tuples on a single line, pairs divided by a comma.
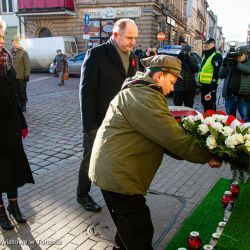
[(26, 78)]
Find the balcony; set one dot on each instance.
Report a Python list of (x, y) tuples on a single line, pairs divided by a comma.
[(45, 7)]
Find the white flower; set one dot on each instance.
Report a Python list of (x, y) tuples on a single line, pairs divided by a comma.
[(239, 138), (211, 142), (196, 118), (209, 120), (247, 137), (234, 140), (230, 142), (217, 126), (227, 131), (203, 129), (220, 118), (189, 118)]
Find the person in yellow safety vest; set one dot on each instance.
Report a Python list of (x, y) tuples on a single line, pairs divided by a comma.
[(209, 74)]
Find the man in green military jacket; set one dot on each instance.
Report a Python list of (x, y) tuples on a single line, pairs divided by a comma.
[(129, 147)]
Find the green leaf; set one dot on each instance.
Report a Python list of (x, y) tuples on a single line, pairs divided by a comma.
[(213, 132), (245, 131), (238, 130)]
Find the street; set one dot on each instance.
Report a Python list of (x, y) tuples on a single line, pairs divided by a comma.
[(54, 121), (54, 149)]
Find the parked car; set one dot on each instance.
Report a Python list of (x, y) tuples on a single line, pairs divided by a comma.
[(74, 64), (174, 50)]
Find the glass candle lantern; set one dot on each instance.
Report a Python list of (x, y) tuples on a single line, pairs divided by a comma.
[(227, 197), (194, 241), (235, 189)]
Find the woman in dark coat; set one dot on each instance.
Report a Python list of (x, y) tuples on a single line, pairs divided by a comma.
[(14, 166)]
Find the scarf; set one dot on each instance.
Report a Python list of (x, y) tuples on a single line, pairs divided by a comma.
[(5, 61), (123, 56), (14, 52)]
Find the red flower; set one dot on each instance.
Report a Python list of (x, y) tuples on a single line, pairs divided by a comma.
[(133, 62), (209, 112), (220, 112)]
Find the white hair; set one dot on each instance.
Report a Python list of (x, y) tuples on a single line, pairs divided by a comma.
[(2, 24), (121, 24)]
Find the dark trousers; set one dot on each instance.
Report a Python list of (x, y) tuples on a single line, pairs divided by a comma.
[(84, 182), (22, 92), (131, 216), (184, 97), (234, 103), (208, 104), (10, 195)]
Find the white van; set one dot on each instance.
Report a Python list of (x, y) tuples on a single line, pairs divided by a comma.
[(42, 51)]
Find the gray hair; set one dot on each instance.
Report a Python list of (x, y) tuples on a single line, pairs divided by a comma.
[(2, 24), (121, 24)]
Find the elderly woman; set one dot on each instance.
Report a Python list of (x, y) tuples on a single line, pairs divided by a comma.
[(14, 166)]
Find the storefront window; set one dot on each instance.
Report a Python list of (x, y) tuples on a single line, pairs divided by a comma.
[(100, 31)]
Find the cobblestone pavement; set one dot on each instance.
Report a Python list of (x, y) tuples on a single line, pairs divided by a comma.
[(54, 149)]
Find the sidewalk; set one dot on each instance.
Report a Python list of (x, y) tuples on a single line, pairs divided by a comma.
[(55, 219)]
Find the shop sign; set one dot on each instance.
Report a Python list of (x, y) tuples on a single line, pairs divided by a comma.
[(112, 13), (108, 28)]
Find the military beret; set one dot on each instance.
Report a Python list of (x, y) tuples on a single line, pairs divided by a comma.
[(164, 63)]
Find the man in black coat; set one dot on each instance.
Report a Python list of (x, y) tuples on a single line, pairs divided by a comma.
[(103, 71), (184, 89)]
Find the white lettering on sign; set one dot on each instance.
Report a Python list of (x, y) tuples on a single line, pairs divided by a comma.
[(112, 13)]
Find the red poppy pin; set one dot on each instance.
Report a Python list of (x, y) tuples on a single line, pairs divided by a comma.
[(133, 62)]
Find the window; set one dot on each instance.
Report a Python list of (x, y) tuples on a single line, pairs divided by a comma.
[(73, 47), (7, 6)]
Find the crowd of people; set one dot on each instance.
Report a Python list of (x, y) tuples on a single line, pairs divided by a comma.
[(127, 126)]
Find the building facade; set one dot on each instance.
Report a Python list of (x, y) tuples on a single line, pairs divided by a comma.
[(14, 26), (91, 21)]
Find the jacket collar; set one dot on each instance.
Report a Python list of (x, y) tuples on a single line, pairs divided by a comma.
[(116, 60)]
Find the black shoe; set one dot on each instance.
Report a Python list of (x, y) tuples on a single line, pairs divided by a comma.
[(4, 220), (88, 204), (14, 211)]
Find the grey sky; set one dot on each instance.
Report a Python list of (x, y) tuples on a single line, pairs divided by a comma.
[(233, 16)]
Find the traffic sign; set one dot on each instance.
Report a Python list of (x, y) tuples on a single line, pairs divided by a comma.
[(86, 19), (86, 29), (161, 36)]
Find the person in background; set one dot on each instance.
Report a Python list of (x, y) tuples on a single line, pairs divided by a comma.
[(236, 87), (61, 65), (150, 51), (139, 55), (104, 69), (14, 166), (209, 75), (185, 88), (21, 63), (129, 147)]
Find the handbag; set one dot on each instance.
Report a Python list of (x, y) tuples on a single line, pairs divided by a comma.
[(65, 75)]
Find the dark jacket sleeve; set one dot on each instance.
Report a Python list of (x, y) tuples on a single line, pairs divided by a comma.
[(216, 62), (244, 67), (224, 70), (193, 64), (88, 91)]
